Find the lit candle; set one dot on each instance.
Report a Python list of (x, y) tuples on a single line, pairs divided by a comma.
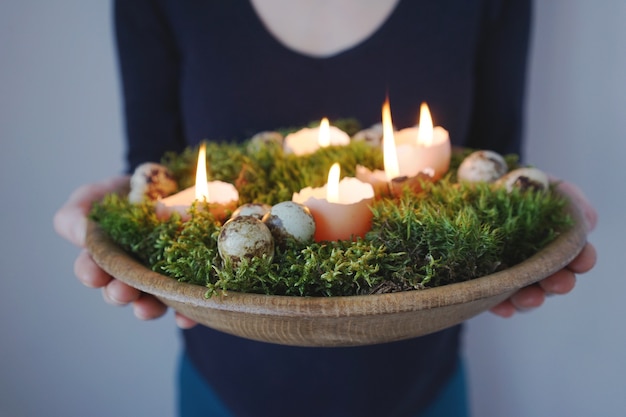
[(220, 196), (341, 209), (423, 148), (309, 140), (380, 179)]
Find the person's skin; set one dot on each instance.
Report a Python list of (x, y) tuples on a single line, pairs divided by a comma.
[(70, 221)]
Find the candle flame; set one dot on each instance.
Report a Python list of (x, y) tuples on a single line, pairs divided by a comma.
[(324, 134), (390, 154), (202, 186), (425, 128), (332, 186)]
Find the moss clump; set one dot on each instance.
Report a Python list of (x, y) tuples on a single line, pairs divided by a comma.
[(135, 227), (447, 233), (319, 269), (454, 232)]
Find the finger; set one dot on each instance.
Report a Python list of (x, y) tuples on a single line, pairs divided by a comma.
[(184, 322), (505, 309), (147, 307), (118, 293), (71, 224), (528, 297), (71, 220), (561, 282), (88, 272), (585, 260)]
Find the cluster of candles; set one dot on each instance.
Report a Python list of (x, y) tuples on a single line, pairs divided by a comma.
[(341, 207)]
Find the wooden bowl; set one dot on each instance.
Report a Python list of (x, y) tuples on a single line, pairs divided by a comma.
[(338, 321)]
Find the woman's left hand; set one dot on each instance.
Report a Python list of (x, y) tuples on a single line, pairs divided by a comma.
[(562, 281)]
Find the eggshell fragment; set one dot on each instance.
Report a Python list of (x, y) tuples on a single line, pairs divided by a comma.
[(525, 179)]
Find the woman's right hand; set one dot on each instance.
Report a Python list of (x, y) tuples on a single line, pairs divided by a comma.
[(70, 222)]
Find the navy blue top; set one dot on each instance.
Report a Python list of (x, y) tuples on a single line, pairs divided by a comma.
[(195, 69)]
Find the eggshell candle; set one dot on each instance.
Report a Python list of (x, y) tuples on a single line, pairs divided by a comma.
[(423, 148), (340, 214), (376, 178), (309, 140), (221, 197)]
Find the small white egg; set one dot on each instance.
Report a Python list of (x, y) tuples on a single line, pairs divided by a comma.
[(151, 181), (482, 166), (244, 237), (290, 220), (257, 210), (525, 179)]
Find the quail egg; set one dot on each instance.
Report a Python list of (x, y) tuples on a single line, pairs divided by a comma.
[(244, 237), (152, 181), (482, 166), (290, 220), (263, 139), (373, 135), (257, 210)]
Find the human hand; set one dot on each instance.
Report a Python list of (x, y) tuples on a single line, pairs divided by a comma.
[(70, 221), (563, 281)]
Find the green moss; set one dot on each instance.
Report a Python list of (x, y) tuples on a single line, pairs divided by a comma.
[(452, 232), (448, 233), (135, 227), (190, 254)]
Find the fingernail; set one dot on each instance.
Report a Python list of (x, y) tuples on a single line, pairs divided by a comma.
[(109, 298)]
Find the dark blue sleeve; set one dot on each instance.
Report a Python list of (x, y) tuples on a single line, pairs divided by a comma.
[(149, 69), (500, 77)]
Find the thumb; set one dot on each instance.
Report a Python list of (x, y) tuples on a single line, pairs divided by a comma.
[(70, 221)]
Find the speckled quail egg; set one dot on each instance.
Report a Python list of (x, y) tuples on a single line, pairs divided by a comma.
[(257, 210), (525, 179), (265, 138), (244, 237), (373, 135), (151, 181), (290, 220), (482, 166)]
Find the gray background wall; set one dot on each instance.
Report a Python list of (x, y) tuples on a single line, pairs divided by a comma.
[(63, 352)]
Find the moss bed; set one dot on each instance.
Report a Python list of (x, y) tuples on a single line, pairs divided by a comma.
[(450, 232)]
